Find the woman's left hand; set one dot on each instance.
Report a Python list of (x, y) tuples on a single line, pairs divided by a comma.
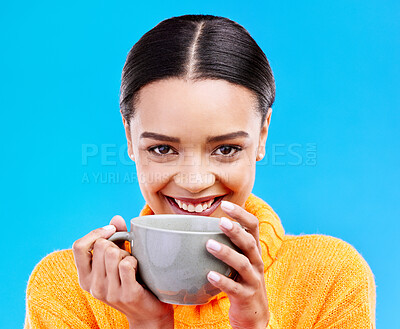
[(247, 295)]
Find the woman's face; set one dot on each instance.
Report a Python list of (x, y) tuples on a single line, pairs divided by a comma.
[(194, 144)]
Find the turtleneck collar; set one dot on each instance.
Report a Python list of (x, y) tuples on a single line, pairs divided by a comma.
[(271, 229)]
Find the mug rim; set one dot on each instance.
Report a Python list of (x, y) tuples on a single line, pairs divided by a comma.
[(175, 231)]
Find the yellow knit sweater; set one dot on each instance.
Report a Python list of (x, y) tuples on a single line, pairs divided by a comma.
[(313, 281)]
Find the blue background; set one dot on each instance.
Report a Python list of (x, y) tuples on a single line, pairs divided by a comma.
[(337, 73)]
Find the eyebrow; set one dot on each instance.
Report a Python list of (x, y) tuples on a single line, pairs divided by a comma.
[(233, 135), (165, 138), (159, 137)]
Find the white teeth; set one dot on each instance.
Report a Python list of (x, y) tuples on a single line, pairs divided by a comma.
[(198, 208), (194, 208)]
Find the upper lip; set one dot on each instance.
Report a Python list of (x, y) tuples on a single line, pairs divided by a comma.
[(197, 200)]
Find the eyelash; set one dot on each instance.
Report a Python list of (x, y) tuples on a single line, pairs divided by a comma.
[(236, 148)]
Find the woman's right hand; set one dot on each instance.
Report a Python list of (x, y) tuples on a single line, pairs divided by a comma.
[(108, 273)]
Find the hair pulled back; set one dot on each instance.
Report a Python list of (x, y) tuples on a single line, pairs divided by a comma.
[(197, 47)]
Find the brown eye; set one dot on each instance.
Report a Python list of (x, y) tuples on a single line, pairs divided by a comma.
[(164, 149), (161, 150), (227, 150)]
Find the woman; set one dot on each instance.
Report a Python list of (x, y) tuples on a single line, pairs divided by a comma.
[(196, 99)]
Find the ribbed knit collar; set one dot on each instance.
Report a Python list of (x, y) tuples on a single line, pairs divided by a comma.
[(271, 230)]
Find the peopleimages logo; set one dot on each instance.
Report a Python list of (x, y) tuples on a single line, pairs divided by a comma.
[(110, 164)]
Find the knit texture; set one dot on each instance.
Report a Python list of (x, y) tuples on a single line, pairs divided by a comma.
[(313, 281)]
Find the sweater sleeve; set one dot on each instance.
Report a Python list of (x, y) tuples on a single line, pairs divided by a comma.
[(272, 324), (53, 296), (350, 299), (37, 317)]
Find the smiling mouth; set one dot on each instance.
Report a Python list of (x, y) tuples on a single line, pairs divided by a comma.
[(204, 208)]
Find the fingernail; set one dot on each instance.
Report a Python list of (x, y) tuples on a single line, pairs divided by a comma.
[(109, 228), (213, 276), (226, 223), (227, 205), (213, 245)]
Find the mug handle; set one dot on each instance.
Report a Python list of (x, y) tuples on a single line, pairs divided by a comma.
[(120, 238)]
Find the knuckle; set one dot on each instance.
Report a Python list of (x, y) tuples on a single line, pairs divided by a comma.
[(97, 291), (131, 259), (235, 291), (245, 266), (111, 253), (260, 267), (251, 244), (253, 224), (77, 245), (127, 264), (99, 244), (124, 266), (123, 253)]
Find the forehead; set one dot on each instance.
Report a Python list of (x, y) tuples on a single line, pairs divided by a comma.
[(183, 107)]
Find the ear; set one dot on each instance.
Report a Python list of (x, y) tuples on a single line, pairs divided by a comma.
[(128, 138), (263, 136)]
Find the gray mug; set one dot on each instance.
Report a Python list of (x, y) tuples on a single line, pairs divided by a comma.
[(173, 261)]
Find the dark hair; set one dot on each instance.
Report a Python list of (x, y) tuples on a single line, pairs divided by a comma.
[(197, 47)]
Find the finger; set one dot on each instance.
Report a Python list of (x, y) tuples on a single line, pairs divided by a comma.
[(234, 259), (98, 282), (119, 223), (98, 263), (231, 288), (82, 247), (132, 290), (112, 256), (247, 220), (127, 271), (243, 240)]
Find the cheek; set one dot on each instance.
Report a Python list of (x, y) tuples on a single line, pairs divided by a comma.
[(153, 177), (238, 176)]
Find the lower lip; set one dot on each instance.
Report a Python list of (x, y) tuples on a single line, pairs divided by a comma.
[(206, 212)]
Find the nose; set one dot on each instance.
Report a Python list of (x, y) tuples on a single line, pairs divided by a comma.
[(194, 180)]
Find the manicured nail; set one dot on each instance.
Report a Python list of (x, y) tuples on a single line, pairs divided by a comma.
[(227, 205), (109, 228), (226, 223), (212, 276), (213, 245)]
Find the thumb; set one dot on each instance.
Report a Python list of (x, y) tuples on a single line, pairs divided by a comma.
[(119, 223)]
